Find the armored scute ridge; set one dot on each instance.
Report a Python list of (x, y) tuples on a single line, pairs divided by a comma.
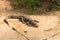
[(24, 19)]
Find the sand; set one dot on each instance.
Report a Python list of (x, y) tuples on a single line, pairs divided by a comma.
[(48, 26)]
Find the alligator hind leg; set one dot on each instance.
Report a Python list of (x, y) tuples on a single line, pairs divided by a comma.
[(27, 23), (36, 21)]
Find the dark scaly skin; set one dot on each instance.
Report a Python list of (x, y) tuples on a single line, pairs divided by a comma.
[(15, 29), (22, 19), (28, 22), (25, 20)]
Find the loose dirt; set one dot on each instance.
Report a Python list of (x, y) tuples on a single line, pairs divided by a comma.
[(49, 25)]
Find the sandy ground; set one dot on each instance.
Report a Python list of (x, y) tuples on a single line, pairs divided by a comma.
[(49, 26)]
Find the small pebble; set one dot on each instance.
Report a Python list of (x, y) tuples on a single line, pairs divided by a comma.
[(25, 31)]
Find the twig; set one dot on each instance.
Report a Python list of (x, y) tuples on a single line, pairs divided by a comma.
[(20, 33), (15, 29), (48, 29)]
